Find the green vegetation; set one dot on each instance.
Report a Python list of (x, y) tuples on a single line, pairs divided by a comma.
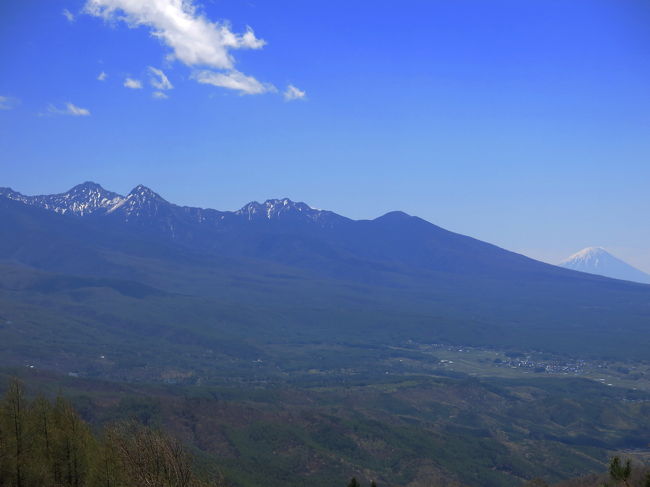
[(398, 431), (622, 473), (48, 444)]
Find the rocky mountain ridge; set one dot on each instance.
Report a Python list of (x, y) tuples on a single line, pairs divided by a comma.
[(91, 199)]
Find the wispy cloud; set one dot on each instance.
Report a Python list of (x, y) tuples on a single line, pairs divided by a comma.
[(134, 84), (234, 80), (102, 76), (160, 95), (68, 15), (68, 109), (192, 38), (8, 102), (159, 80), (293, 93)]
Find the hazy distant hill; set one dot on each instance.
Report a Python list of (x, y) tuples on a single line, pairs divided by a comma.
[(596, 260)]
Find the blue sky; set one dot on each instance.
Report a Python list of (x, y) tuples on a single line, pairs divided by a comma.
[(526, 124)]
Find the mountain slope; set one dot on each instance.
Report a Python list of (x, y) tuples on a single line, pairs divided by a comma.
[(293, 233), (596, 260), (282, 272)]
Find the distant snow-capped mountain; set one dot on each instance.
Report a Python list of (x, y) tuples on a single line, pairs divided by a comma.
[(143, 206), (596, 260), (84, 199)]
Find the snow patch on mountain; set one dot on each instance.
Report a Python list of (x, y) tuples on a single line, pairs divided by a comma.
[(145, 206), (596, 260), (84, 199)]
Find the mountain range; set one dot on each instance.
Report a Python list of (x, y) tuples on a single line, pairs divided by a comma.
[(142, 204), (596, 260), (92, 270), (288, 232)]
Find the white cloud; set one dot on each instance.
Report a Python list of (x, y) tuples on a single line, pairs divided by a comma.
[(68, 109), (194, 39), (102, 76), (68, 15), (159, 80), (160, 95), (134, 84), (234, 80), (8, 102), (293, 93)]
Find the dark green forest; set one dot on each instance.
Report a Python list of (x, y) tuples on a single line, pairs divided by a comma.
[(398, 432), (46, 442)]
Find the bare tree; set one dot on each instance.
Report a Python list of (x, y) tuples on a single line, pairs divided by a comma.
[(151, 458)]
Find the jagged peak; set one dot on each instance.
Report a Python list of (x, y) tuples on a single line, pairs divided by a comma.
[(140, 201), (287, 203), (83, 199), (144, 192), (91, 198), (283, 201), (275, 207), (90, 189)]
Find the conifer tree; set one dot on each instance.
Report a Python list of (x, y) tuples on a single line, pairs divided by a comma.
[(354, 482), (39, 425), (13, 422), (619, 472)]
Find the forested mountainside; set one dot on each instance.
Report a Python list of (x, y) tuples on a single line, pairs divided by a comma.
[(231, 283), (401, 431)]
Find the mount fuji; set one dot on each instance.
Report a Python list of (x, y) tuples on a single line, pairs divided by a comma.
[(596, 260)]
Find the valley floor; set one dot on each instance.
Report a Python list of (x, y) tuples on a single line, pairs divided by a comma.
[(411, 415)]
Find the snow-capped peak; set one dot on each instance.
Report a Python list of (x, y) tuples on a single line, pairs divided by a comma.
[(9, 193), (141, 201), (88, 186), (588, 254), (84, 199), (146, 207), (283, 208), (144, 192), (597, 260)]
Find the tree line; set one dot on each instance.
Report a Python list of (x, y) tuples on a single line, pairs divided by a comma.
[(620, 474), (45, 443)]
